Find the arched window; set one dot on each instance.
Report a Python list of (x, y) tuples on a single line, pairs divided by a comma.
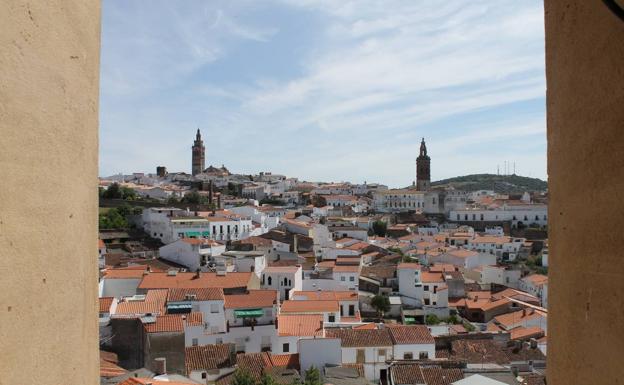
[(269, 281)]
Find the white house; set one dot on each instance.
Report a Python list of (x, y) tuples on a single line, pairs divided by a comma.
[(505, 248), (372, 348), (208, 363), (194, 253), (208, 301), (294, 327), (347, 275), (283, 279), (347, 300), (535, 284), (411, 342)]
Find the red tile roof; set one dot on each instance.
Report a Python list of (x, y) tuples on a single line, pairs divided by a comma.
[(522, 333), (410, 334), (253, 298), (205, 294), (108, 365), (105, 304), (351, 338), (304, 325), (208, 357), (154, 303), (170, 323), (340, 295), (192, 280), (429, 277), (309, 306)]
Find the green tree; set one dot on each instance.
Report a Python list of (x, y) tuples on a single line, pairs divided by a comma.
[(267, 380), (193, 198), (172, 200), (112, 192), (381, 303), (432, 319), (124, 210), (380, 228), (242, 377), (128, 194), (312, 376), (112, 220)]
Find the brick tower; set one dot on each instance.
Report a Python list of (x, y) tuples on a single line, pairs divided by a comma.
[(199, 154), (423, 169)]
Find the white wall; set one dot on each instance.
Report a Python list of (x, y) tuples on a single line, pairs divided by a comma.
[(119, 287), (319, 352)]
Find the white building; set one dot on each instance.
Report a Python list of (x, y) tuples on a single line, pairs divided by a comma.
[(525, 214), (283, 279), (194, 253), (505, 248)]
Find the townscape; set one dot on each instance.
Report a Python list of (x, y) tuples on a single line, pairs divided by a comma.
[(220, 278)]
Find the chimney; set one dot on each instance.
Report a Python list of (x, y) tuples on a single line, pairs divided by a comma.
[(160, 365), (198, 273), (276, 325), (296, 243), (476, 298)]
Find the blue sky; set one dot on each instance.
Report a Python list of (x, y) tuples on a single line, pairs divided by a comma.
[(324, 89)]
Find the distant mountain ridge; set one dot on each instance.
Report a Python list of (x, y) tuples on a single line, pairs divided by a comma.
[(504, 184)]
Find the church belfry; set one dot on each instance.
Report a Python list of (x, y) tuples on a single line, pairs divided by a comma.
[(199, 155), (423, 168)]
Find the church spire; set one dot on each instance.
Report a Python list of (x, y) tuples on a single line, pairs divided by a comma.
[(423, 148), (423, 168)]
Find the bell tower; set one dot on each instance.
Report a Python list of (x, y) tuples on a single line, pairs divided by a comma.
[(423, 168), (199, 155)]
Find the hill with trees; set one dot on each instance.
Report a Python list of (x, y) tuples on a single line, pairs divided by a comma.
[(504, 184)]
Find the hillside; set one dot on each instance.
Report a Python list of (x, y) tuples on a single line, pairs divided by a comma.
[(507, 184)]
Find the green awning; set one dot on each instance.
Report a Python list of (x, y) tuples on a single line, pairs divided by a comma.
[(248, 313), (193, 234), (410, 320), (205, 233)]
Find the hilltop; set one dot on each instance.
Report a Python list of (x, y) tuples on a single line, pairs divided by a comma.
[(507, 184)]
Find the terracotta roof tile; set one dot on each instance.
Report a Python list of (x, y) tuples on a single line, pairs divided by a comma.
[(105, 304), (360, 337), (253, 298), (524, 333), (340, 295), (170, 323), (208, 357), (194, 294), (412, 334), (309, 306), (307, 325), (192, 280)]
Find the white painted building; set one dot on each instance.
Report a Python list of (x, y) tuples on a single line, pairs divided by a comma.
[(525, 214), (504, 247), (194, 253), (283, 279)]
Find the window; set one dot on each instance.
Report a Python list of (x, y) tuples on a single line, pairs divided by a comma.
[(457, 216), (195, 342), (426, 288), (360, 356), (286, 348), (214, 308), (381, 353), (423, 355), (204, 375), (351, 310), (332, 318), (426, 301), (342, 278), (408, 356), (269, 281), (352, 278)]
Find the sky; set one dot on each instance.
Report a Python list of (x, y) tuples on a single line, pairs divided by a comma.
[(324, 90)]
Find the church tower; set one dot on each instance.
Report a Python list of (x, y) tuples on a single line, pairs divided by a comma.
[(199, 154), (423, 169)]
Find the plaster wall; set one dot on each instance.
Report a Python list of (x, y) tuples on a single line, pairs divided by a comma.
[(585, 119), (49, 61)]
